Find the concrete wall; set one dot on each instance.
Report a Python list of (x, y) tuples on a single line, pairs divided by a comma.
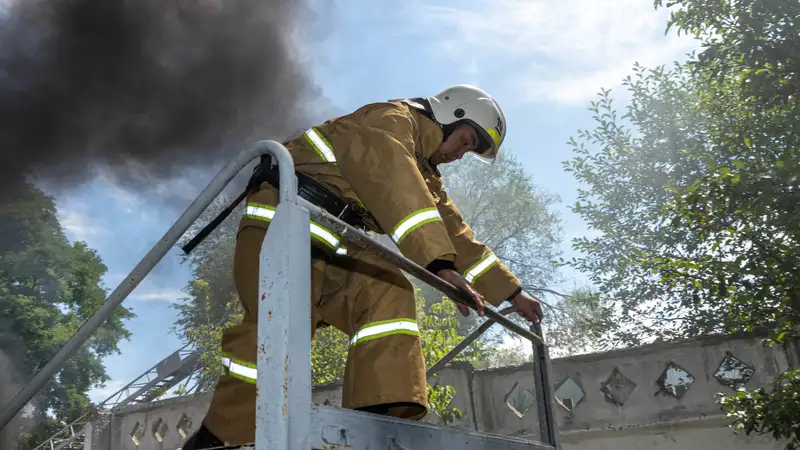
[(622, 402)]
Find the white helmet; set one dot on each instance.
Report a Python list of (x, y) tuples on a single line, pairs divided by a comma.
[(468, 104)]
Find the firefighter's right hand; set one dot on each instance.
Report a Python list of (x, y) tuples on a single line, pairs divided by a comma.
[(454, 278)]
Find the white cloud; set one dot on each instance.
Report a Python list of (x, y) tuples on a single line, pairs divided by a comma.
[(170, 296), (98, 394), (553, 50), (78, 226)]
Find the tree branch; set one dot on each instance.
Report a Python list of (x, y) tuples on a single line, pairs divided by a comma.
[(541, 289)]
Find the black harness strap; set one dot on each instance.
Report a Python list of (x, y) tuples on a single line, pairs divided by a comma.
[(307, 188)]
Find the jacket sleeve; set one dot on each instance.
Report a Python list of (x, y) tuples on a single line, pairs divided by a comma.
[(475, 261), (377, 160)]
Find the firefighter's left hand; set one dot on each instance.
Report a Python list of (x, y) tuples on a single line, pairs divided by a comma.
[(528, 307)]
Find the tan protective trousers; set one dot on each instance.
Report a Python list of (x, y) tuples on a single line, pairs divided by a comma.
[(352, 293)]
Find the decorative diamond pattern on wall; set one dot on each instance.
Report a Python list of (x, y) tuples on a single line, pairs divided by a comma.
[(675, 380), (569, 394), (519, 400), (617, 388), (732, 372)]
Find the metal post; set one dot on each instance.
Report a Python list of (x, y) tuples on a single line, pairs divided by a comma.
[(283, 405), (362, 240), (544, 392), (146, 265)]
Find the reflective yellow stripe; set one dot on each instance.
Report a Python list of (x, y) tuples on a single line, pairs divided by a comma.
[(375, 330), (241, 370), (324, 235), (320, 144), (259, 211), (321, 234), (495, 136), (480, 267), (414, 221)]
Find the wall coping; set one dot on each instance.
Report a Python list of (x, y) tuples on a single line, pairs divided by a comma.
[(695, 342), (701, 341)]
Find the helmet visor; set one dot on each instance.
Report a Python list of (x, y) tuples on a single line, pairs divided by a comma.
[(487, 146)]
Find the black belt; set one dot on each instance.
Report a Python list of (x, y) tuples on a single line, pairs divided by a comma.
[(307, 188), (314, 192)]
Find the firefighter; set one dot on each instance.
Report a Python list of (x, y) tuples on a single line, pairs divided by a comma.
[(377, 169)]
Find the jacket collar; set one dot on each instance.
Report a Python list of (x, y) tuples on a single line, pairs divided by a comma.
[(430, 137)]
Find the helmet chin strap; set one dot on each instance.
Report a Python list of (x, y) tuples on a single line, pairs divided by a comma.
[(447, 130)]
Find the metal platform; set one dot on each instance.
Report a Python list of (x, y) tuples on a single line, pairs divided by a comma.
[(285, 417), (331, 427), (334, 428)]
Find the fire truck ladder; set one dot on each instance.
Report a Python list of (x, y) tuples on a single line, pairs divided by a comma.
[(180, 365), (286, 419)]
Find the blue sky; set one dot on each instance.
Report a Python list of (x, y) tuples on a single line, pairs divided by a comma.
[(543, 60)]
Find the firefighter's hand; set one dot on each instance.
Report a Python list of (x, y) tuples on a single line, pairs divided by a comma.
[(528, 307), (453, 277)]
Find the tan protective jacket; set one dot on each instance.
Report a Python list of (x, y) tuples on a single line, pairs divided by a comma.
[(376, 159)]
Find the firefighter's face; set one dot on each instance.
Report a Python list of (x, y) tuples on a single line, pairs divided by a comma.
[(462, 140)]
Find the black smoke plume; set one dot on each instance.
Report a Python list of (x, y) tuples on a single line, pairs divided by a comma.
[(144, 86)]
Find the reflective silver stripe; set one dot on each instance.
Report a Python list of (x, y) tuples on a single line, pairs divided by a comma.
[(414, 221), (250, 373), (383, 328), (479, 269), (267, 213), (320, 145)]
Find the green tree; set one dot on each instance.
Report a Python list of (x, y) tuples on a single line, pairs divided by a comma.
[(328, 355), (211, 263), (696, 197), (578, 323), (48, 289), (211, 303), (439, 334), (745, 207), (494, 357), (626, 168), (205, 333)]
